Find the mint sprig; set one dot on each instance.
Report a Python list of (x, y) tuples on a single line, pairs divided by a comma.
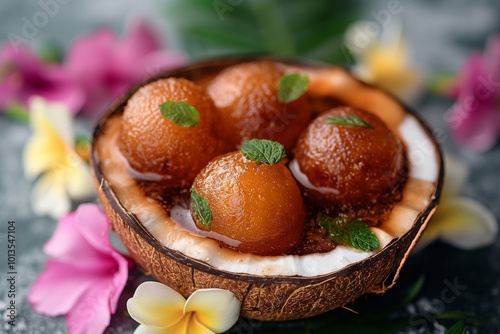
[(201, 211), (349, 232), (263, 151), (349, 120), (181, 113), (291, 87)]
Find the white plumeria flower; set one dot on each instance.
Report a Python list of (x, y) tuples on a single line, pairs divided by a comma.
[(49, 154), (162, 310), (459, 221)]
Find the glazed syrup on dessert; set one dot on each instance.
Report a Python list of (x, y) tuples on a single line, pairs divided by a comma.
[(176, 202), (353, 144)]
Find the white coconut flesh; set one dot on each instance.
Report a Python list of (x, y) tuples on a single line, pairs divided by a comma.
[(417, 194)]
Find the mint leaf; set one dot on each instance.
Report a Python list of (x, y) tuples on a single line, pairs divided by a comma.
[(349, 120), (201, 210), (291, 87), (349, 232), (180, 113), (263, 151)]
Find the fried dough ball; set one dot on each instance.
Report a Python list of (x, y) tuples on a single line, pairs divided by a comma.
[(258, 206), (153, 144), (246, 97), (351, 167)]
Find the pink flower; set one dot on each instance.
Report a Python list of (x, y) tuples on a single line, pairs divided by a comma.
[(86, 276), (474, 120), (23, 74), (107, 67)]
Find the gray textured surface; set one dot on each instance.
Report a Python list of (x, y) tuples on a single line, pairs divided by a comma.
[(440, 34)]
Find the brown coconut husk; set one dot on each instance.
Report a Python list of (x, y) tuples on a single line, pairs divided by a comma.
[(274, 298)]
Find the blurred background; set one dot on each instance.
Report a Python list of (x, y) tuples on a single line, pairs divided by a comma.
[(427, 41), (440, 32)]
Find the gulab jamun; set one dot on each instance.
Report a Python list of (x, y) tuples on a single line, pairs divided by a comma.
[(246, 96), (258, 206), (352, 161), (153, 144)]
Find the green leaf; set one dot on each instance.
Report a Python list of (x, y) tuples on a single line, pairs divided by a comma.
[(18, 113), (299, 29), (274, 29), (453, 315), (180, 113), (349, 232), (291, 87), (349, 120), (202, 212), (51, 53), (413, 291), (457, 328), (82, 140), (263, 151)]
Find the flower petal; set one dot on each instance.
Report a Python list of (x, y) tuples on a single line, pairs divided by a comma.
[(78, 180), (142, 329), (466, 224), (62, 89), (455, 177), (155, 304), (156, 63), (54, 114), (106, 66), (359, 43), (7, 94), (25, 75), (89, 60), (85, 282), (46, 148), (92, 313), (473, 118), (383, 60), (88, 56), (58, 288), (69, 245), (119, 278), (139, 41), (93, 225), (180, 327), (21, 58), (217, 309), (196, 327), (49, 197), (42, 152)]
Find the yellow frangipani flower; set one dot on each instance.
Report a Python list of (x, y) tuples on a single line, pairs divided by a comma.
[(387, 66), (383, 61), (49, 155), (161, 310), (459, 221)]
